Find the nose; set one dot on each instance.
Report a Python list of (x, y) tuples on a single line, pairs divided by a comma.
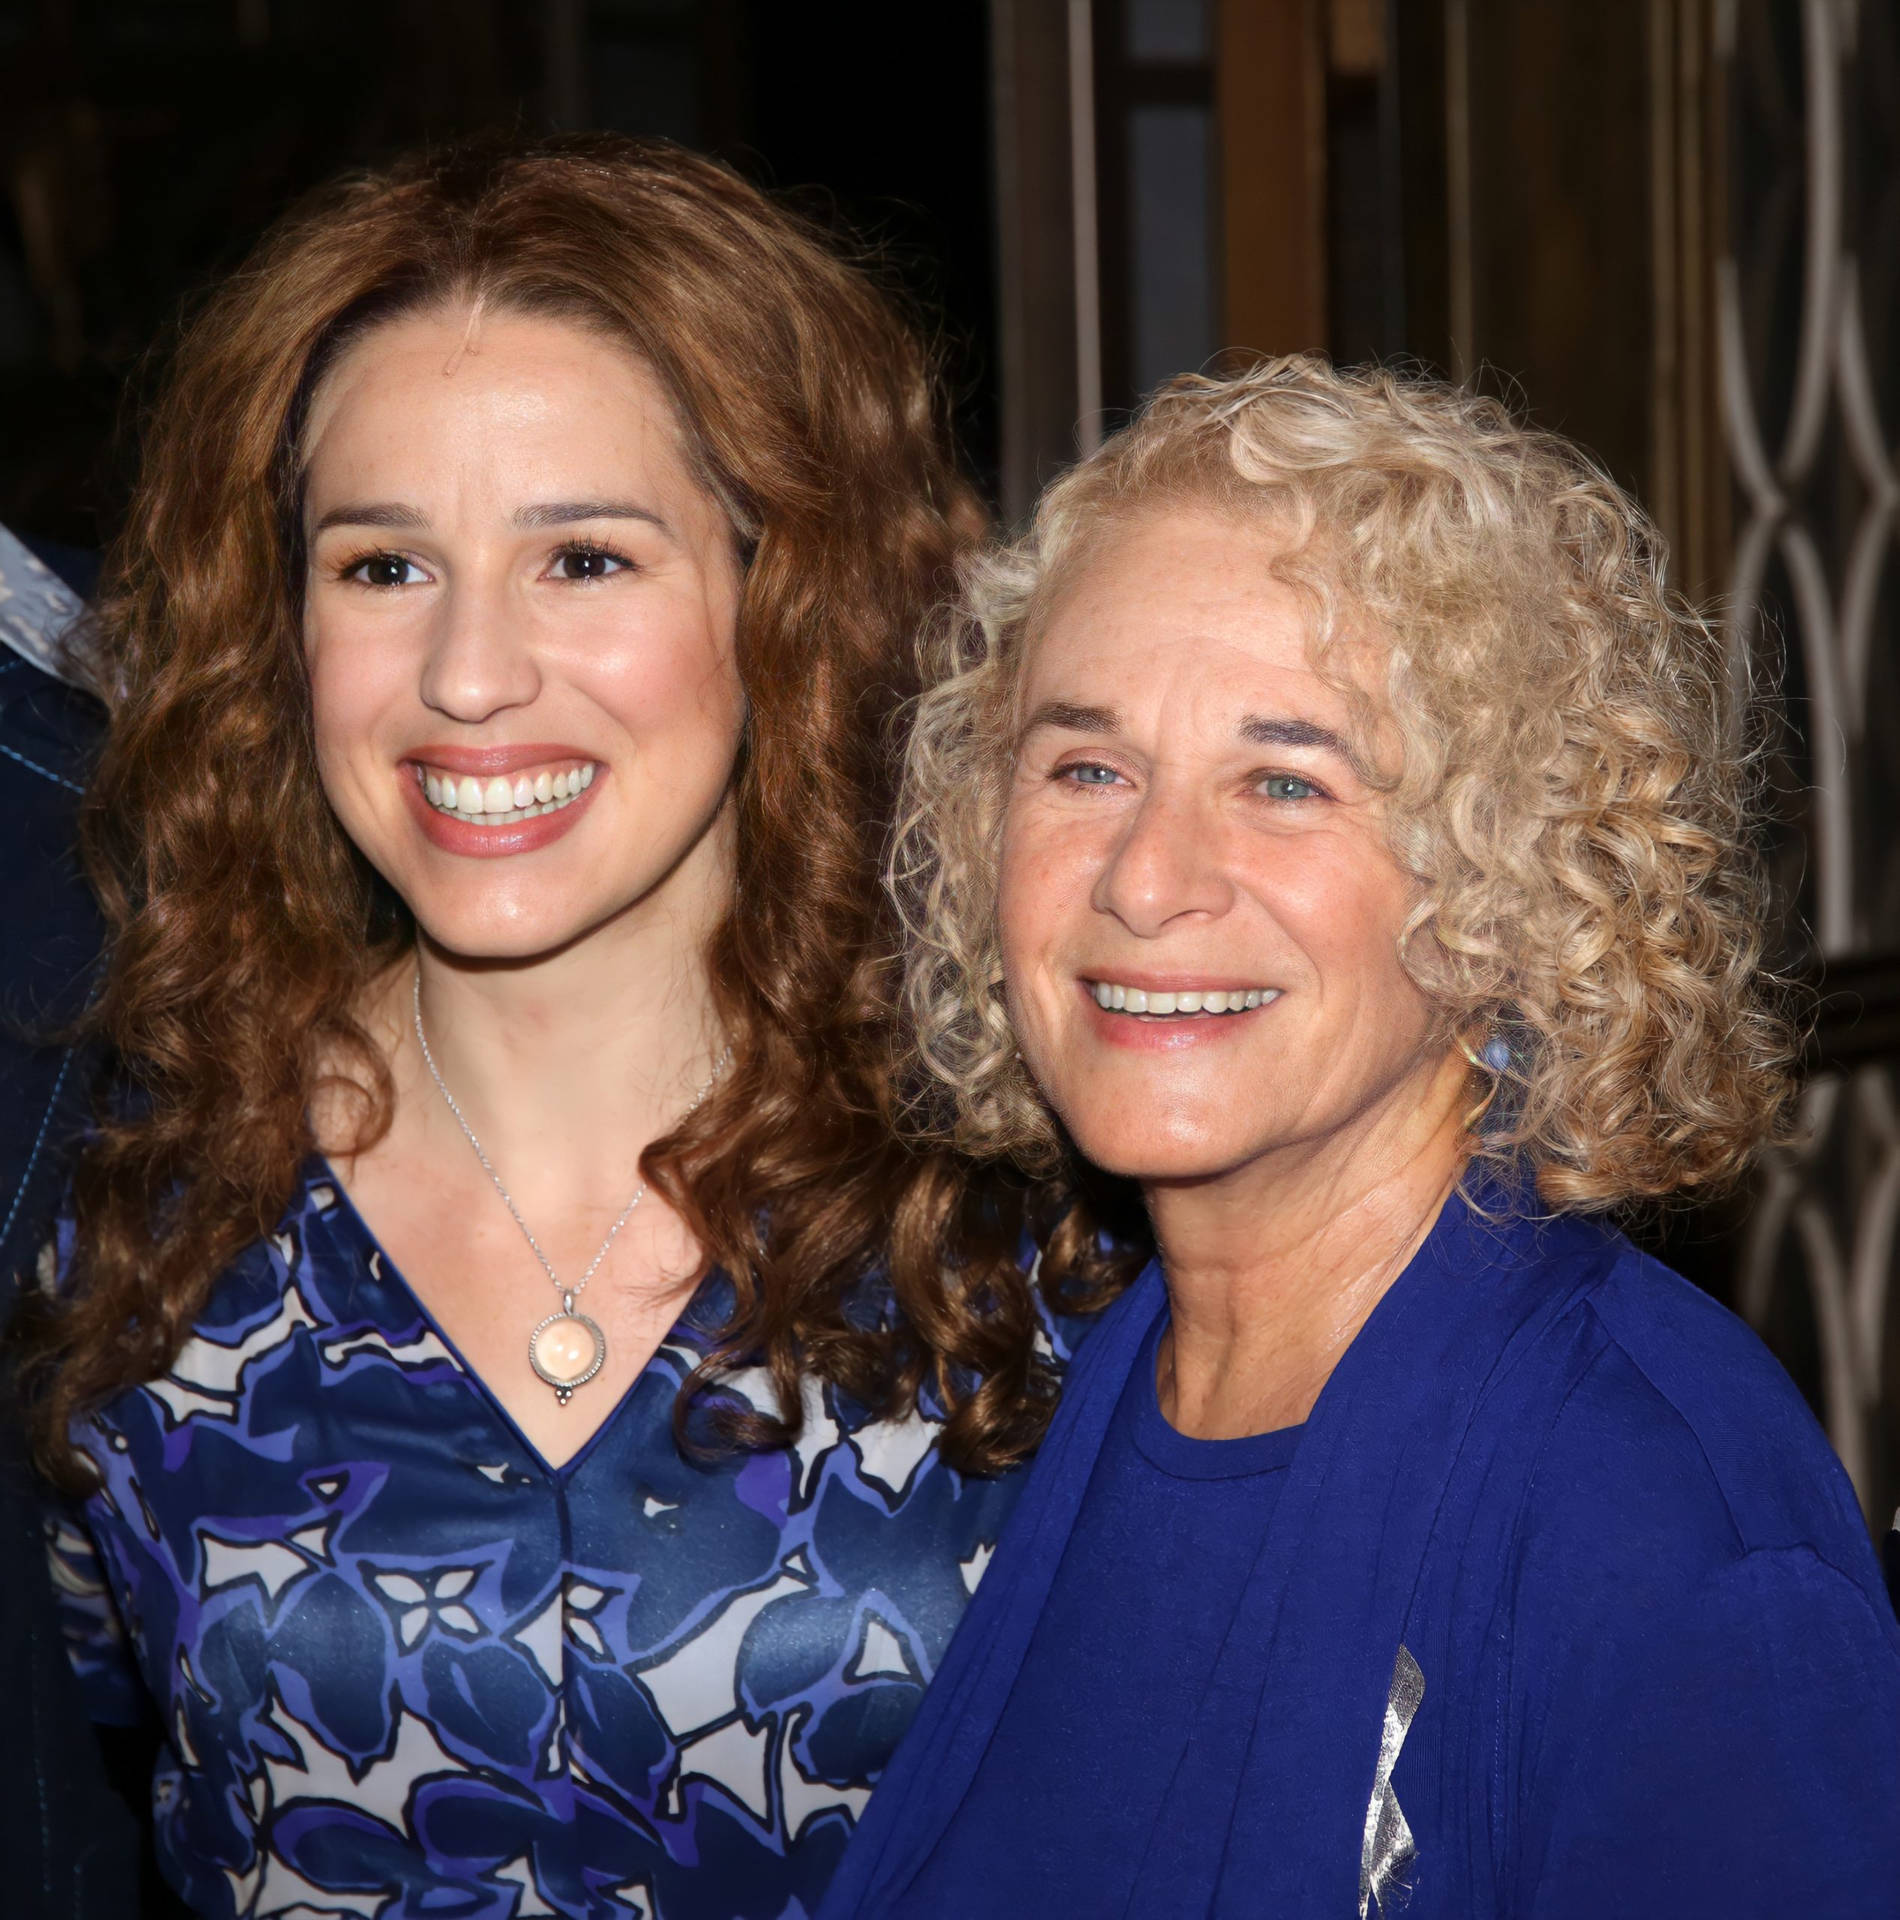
[(1168, 863), (480, 661)]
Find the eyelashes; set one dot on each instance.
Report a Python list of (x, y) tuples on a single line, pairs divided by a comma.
[(1312, 790), (1287, 789), (575, 562), (1077, 773), (589, 554), (375, 558)]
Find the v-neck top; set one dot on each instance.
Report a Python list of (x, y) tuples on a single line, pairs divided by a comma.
[(403, 1667)]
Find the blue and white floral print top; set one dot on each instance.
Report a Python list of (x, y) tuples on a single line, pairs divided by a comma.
[(406, 1669)]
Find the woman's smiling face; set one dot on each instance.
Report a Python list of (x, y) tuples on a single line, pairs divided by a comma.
[(1190, 831), (519, 619)]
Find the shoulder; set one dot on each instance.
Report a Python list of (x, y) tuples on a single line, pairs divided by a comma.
[(309, 1301), (1691, 1651), (1669, 1450), (1684, 1394), (48, 733), (50, 931)]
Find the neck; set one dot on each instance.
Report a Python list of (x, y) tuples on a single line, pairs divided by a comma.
[(567, 1066), (1273, 1269)]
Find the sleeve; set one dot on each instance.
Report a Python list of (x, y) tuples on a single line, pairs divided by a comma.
[(90, 1625), (1742, 1759)]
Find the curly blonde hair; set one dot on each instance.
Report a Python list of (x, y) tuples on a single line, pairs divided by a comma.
[(1574, 794)]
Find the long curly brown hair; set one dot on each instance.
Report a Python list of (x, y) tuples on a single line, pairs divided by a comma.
[(246, 929)]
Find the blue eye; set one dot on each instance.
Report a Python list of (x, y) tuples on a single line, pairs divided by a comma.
[(383, 570), (1087, 773), (1288, 786)]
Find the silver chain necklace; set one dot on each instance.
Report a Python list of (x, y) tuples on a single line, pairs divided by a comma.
[(568, 1348)]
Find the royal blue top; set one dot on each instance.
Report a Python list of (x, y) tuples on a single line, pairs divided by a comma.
[(405, 1668), (1564, 1609), (1074, 1776)]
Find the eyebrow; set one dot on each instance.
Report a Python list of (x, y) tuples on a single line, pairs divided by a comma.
[(564, 513), (1262, 730), (1073, 719), (373, 513), (1292, 733), (553, 513), (1265, 731)]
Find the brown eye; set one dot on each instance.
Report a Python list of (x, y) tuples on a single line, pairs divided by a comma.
[(384, 570), (587, 563)]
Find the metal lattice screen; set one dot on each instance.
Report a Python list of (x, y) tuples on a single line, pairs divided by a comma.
[(1809, 359)]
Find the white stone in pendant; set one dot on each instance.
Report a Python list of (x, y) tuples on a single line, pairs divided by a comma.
[(566, 1350)]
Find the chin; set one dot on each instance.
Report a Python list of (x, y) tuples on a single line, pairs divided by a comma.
[(483, 934), (1156, 1150)]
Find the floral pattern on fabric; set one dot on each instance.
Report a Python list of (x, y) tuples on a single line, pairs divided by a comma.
[(405, 1669)]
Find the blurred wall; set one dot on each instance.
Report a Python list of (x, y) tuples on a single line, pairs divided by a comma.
[(144, 144)]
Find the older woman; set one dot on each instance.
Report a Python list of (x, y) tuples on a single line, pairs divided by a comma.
[(1357, 832)]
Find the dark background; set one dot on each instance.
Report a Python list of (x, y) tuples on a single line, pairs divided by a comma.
[(147, 143)]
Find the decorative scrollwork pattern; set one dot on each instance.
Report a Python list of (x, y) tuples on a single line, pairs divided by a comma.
[(1805, 311)]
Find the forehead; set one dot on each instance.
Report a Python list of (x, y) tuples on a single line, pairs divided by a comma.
[(489, 383), (1184, 608)]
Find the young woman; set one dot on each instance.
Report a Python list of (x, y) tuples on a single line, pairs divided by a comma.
[(1359, 833), (523, 1464)]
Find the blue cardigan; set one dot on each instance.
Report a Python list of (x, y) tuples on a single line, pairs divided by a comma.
[(1579, 1506)]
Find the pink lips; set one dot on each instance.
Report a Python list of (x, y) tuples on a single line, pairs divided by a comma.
[(453, 835), (1167, 1036), (493, 760)]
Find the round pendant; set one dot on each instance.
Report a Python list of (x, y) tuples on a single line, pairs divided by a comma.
[(567, 1349)]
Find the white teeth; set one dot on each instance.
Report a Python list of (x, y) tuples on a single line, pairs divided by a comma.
[(501, 801), (1120, 999)]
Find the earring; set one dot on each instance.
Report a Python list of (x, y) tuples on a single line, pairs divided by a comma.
[(1495, 1058)]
